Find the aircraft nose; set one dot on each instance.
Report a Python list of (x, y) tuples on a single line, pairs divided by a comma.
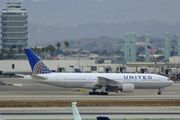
[(171, 82)]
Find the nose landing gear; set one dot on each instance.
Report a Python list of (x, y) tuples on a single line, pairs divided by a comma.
[(159, 93)]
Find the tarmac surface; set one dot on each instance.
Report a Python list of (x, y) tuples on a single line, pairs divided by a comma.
[(90, 112), (30, 90)]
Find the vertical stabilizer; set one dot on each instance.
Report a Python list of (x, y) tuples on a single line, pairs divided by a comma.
[(37, 66), (75, 111)]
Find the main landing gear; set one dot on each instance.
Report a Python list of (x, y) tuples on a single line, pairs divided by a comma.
[(98, 93), (159, 93)]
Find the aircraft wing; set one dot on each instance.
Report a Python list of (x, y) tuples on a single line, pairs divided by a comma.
[(106, 81), (34, 76)]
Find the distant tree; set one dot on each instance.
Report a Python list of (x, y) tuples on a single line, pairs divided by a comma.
[(2, 51), (58, 45), (140, 49), (95, 52), (66, 44), (52, 49), (158, 52), (38, 50), (8, 55), (43, 49), (20, 51), (32, 49), (46, 49), (35, 49), (1, 56), (119, 52), (11, 51), (104, 52)]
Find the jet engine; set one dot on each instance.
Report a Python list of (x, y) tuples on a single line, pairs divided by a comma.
[(127, 87), (112, 88)]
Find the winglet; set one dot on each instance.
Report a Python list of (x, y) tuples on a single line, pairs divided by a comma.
[(37, 66), (75, 111)]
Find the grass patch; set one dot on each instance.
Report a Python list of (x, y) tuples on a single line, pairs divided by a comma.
[(90, 103)]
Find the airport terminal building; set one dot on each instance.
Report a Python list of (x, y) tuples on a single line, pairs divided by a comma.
[(90, 66)]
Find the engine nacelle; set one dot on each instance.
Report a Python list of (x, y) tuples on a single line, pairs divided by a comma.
[(112, 89), (127, 87)]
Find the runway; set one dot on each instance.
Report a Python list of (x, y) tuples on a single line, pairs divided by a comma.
[(30, 90), (91, 112), (87, 97)]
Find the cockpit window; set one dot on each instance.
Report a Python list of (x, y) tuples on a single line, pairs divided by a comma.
[(168, 79)]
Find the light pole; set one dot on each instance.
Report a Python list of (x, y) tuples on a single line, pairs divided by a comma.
[(151, 41), (79, 54), (174, 54), (131, 42)]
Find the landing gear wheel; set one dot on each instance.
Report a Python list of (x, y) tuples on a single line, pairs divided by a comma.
[(104, 93), (94, 93), (159, 93), (90, 93)]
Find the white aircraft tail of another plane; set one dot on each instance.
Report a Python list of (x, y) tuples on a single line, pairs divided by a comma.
[(75, 111), (1, 118)]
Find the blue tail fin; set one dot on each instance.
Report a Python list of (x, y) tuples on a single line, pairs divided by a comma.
[(77, 70), (37, 66)]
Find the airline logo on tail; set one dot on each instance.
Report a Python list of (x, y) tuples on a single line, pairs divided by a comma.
[(37, 66), (40, 68)]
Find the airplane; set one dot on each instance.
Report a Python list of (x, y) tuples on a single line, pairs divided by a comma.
[(107, 82), (77, 116)]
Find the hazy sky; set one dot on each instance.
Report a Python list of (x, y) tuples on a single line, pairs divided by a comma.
[(66, 13)]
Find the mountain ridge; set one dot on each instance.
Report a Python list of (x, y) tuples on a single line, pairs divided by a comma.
[(48, 34)]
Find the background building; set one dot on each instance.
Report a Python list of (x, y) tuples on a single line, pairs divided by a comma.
[(133, 47), (14, 31)]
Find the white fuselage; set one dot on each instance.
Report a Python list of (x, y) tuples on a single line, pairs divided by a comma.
[(90, 80)]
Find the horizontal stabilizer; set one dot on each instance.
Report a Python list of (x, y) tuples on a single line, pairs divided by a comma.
[(20, 75), (37, 77)]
